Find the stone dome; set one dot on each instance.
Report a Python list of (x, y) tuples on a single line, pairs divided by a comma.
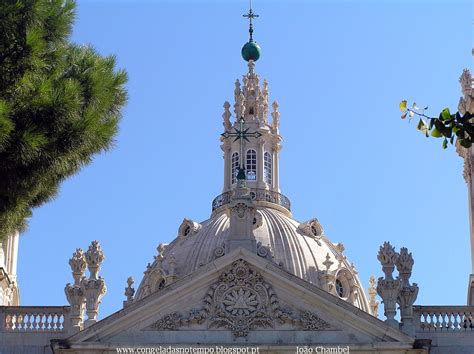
[(300, 248), (251, 212)]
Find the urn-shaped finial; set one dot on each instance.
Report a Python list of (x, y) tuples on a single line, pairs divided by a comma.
[(78, 265), (387, 257), (94, 258)]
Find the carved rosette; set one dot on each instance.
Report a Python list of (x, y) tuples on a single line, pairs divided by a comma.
[(240, 301)]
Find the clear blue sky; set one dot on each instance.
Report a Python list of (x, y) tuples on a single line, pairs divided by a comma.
[(337, 68)]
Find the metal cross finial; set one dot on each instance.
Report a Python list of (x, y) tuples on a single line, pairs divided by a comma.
[(250, 15), (241, 134)]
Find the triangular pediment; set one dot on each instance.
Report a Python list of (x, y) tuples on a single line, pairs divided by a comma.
[(240, 298)]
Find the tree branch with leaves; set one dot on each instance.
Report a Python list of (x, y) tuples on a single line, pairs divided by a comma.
[(451, 127)]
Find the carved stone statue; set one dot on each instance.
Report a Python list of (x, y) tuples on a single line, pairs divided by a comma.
[(275, 115), (373, 303), (226, 116), (129, 292)]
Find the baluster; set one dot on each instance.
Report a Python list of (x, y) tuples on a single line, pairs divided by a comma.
[(444, 325), (456, 323), (50, 320), (20, 323), (35, 323), (422, 321), (41, 324), (57, 321), (431, 325), (44, 321), (450, 322), (28, 320), (464, 321), (61, 322)]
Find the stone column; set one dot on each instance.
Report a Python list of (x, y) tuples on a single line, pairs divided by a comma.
[(94, 287), (389, 288), (275, 168), (75, 293), (408, 293), (260, 164), (227, 166)]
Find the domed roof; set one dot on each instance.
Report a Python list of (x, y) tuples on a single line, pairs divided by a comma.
[(300, 248), (251, 51)]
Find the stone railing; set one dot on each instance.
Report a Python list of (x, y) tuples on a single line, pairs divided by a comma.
[(256, 195), (444, 318), (34, 318)]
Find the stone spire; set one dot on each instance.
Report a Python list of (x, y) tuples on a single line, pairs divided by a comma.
[(258, 152)]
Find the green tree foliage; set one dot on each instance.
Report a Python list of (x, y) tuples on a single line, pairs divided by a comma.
[(60, 103), (449, 126)]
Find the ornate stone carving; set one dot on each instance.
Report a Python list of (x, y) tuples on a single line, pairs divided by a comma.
[(188, 228), (408, 293), (169, 322), (94, 288), (219, 251), (312, 228), (94, 258), (388, 289), (78, 265), (404, 265), (240, 301), (240, 209), (226, 116), (257, 220), (129, 292), (373, 303), (264, 251), (387, 257), (312, 322), (75, 295), (275, 116)]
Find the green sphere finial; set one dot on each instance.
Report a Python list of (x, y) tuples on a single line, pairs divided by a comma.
[(251, 51)]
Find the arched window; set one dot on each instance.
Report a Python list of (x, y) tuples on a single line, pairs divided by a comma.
[(267, 168), (251, 165), (234, 167)]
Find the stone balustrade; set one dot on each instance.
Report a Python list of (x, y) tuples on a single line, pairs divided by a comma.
[(256, 194), (444, 319), (34, 318)]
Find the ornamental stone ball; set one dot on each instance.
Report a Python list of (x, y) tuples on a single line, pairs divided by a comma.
[(251, 51)]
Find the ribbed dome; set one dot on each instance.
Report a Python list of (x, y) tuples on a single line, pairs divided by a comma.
[(300, 248)]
